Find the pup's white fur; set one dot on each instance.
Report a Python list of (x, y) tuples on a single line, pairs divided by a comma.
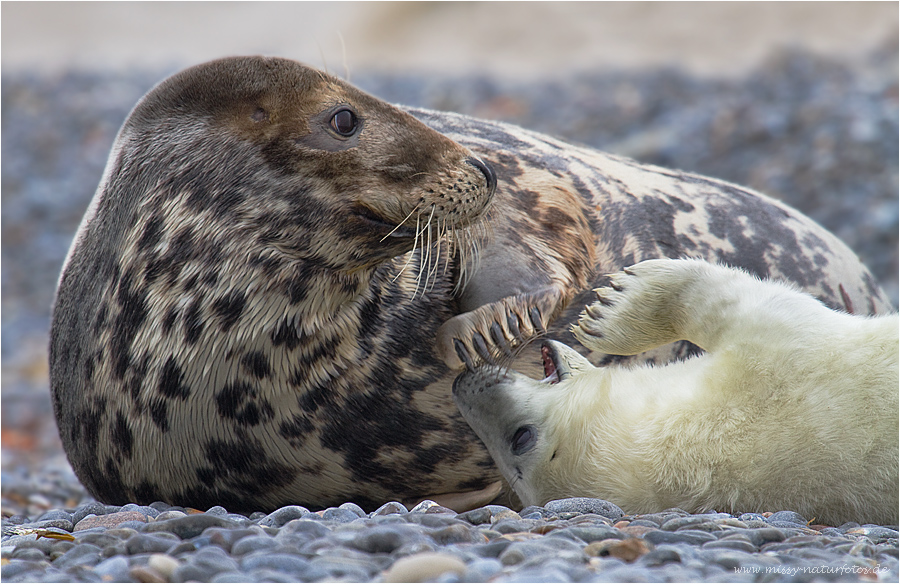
[(793, 406)]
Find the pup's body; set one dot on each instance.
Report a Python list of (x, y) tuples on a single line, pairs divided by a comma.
[(794, 406)]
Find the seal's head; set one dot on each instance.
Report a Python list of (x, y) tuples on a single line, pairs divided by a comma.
[(280, 150), (536, 431)]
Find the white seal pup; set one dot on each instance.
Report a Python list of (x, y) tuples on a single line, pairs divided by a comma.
[(794, 406)]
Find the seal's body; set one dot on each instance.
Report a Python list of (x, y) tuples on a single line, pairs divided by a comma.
[(793, 406), (275, 284)]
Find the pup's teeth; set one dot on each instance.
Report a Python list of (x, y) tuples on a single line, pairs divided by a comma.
[(551, 379)]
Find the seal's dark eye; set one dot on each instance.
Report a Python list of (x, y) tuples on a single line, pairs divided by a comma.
[(344, 122), (523, 440)]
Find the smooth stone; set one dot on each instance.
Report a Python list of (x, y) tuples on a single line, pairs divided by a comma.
[(146, 574), (424, 567), (190, 525), (170, 514), (145, 543), (644, 523), (588, 534), (252, 544), (308, 527), (226, 538), (751, 517), (789, 517), (513, 525), (481, 570), (30, 554), (684, 536), (56, 514), (731, 560), (217, 510), (164, 564), (110, 520), (532, 509), (284, 515), (676, 523), (203, 564), (660, 556), (82, 554), (434, 520), (456, 534), (533, 550), (875, 533), (762, 536), (339, 515), (732, 544), (83, 511), (143, 509), (583, 505), (492, 549), (479, 516), (353, 508), (385, 539), (279, 562), (18, 567), (113, 569), (391, 508)]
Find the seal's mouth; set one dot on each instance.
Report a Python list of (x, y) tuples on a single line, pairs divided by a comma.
[(550, 360)]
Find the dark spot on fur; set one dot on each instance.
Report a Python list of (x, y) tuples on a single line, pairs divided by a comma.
[(237, 401), (297, 427), (132, 313), (170, 382), (152, 233), (193, 323), (121, 436), (229, 309), (257, 364), (288, 335), (159, 413)]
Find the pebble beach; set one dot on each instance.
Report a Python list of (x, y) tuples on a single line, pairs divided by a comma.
[(812, 131)]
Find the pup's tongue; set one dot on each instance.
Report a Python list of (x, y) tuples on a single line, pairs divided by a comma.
[(550, 375)]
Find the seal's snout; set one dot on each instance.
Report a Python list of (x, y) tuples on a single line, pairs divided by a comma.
[(486, 171)]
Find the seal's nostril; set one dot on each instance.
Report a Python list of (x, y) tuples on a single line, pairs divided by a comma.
[(486, 171)]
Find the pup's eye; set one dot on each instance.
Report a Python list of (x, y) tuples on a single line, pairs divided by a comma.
[(344, 122), (523, 440)]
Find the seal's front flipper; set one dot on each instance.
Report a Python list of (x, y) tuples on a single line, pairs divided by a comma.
[(495, 330), (467, 500)]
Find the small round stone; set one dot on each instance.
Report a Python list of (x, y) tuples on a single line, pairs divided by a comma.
[(391, 508), (583, 505), (424, 567)]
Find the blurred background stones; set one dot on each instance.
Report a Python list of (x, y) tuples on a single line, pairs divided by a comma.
[(797, 100)]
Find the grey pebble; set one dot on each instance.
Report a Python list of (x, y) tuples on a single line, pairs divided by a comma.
[(281, 516), (481, 570), (113, 569), (583, 505), (253, 543), (688, 536), (339, 515), (788, 517), (17, 568), (170, 514), (146, 543), (391, 508), (190, 525), (145, 509), (81, 554), (588, 534), (279, 562), (203, 564), (742, 545)]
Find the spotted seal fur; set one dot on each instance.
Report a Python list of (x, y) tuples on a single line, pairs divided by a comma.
[(792, 406), (273, 287)]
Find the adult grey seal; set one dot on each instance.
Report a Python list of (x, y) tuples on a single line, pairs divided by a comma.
[(275, 285)]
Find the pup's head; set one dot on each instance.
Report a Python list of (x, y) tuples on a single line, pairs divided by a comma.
[(536, 431)]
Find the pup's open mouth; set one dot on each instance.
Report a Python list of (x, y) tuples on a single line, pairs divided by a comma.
[(550, 359)]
